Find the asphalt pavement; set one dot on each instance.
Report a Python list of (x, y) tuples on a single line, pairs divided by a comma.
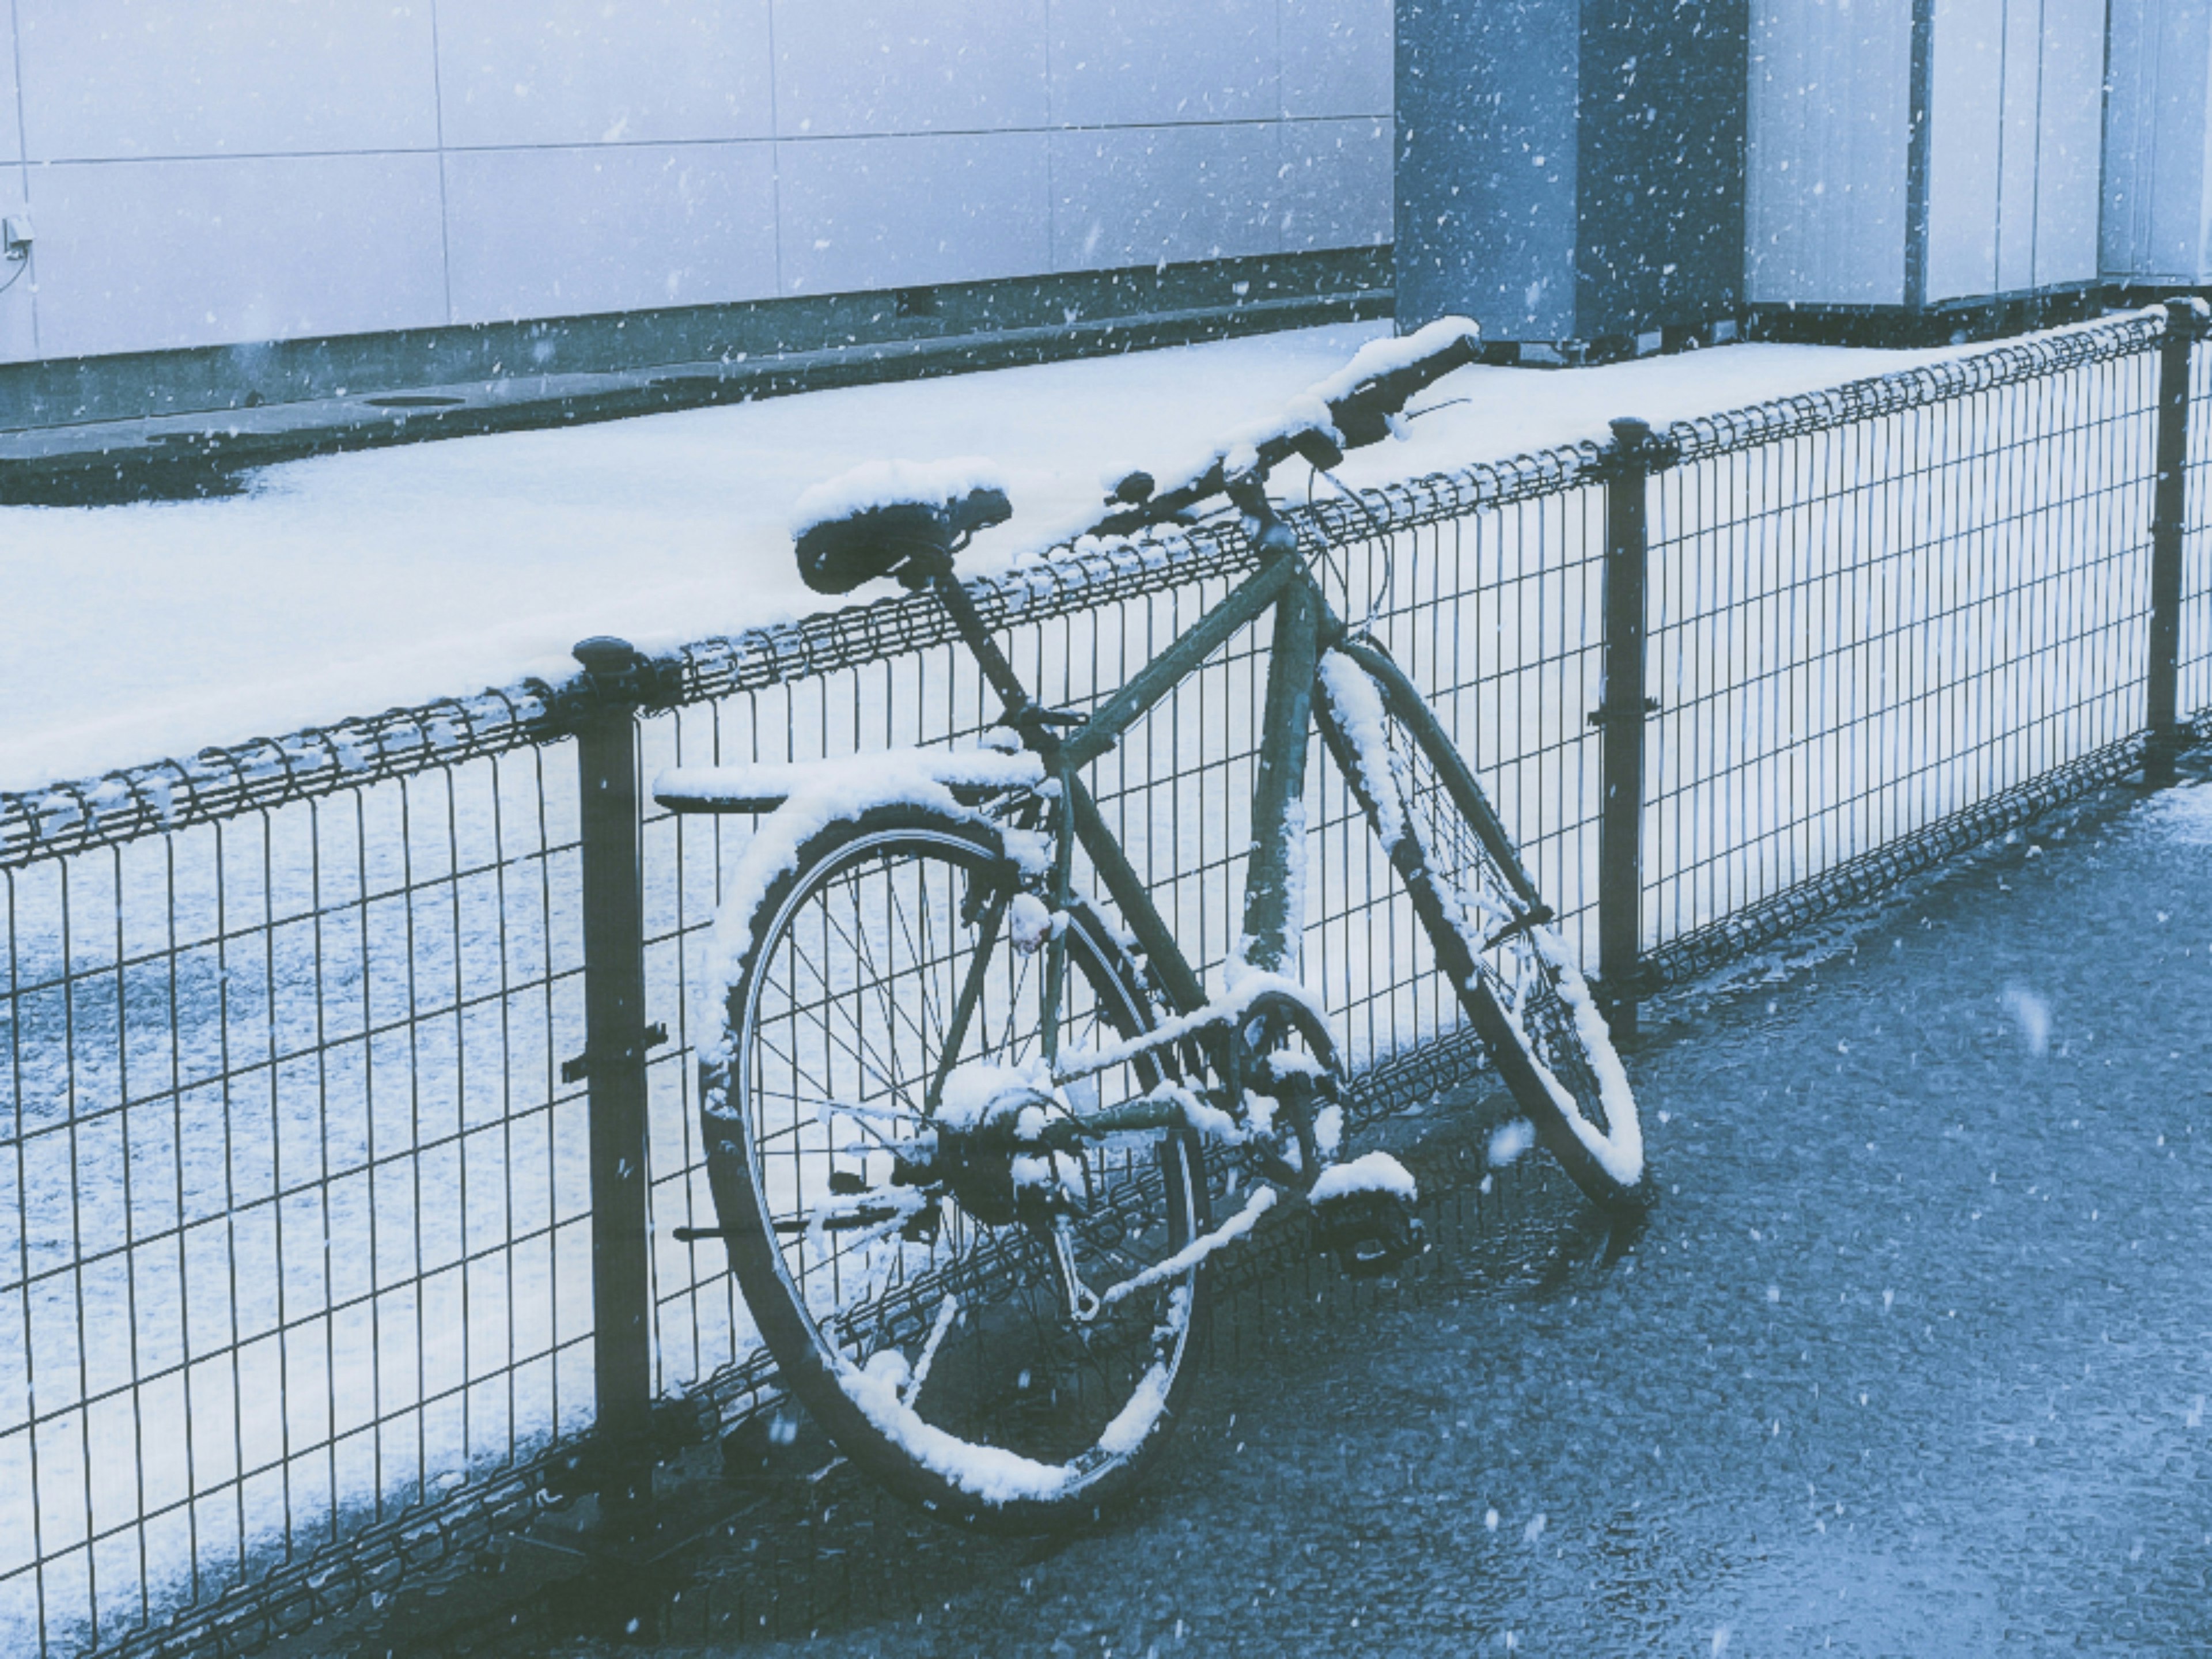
[(1912, 1356)]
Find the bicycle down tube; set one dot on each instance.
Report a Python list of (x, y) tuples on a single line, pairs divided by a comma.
[(1301, 616)]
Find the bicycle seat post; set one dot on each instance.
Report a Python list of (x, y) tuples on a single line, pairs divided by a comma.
[(977, 635)]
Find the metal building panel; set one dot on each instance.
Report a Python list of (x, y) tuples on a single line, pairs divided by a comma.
[(1830, 117), (1964, 120), (2019, 127), (2153, 213), (1486, 164), (2070, 150)]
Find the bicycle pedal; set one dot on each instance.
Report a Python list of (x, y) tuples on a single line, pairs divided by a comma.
[(1369, 1232)]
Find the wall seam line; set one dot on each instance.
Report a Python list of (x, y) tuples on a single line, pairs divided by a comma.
[(702, 143), (775, 156), (438, 113), (23, 159)]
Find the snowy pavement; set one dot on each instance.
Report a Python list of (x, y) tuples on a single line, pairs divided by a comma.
[(1912, 1356), (347, 584)]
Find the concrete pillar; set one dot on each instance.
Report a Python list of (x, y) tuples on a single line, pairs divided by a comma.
[(1569, 173)]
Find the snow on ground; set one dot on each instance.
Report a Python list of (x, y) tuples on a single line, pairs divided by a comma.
[(347, 584), (2184, 814)]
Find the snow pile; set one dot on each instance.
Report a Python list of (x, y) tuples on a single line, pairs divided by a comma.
[(2184, 814), (705, 787), (970, 1089), (989, 1472), (1309, 411), (876, 484), (1510, 1141), (1374, 1172), (132, 633), (1389, 355)]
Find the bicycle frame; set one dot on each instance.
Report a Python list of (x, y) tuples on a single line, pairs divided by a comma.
[(1304, 626)]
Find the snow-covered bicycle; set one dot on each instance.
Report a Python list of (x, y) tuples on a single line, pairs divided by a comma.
[(966, 1129)]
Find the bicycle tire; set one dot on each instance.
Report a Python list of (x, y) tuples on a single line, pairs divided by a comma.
[(1518, 985), (1023, 1421)]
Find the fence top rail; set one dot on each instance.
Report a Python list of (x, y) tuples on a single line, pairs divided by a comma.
[(231, 781), (1983, 369), (261, 774)]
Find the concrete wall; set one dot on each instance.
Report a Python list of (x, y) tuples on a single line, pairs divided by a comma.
[(1570, 171), (207, 171)]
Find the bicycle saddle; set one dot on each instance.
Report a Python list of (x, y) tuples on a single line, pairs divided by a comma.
[(890, 519)]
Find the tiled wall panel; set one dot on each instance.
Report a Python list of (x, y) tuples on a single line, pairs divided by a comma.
[(481, 160), (1329, 64), (1336, 184), (517, 72), (135, 256), (874, 67), (571, 231), (1128, 195), (913, 210), (1119, 62), (109, 79)]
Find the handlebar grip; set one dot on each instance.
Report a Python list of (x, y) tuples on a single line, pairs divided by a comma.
[(1362, 415)]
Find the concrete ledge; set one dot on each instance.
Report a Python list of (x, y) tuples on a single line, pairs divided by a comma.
[(71, 434)]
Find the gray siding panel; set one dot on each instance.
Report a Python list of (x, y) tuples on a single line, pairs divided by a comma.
[(2068, 164), (1487, 223), (2154, 218), (2020, 128), (1966, 124), (1830, 91), (11, 127)]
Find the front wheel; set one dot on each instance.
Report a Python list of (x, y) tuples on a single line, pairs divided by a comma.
[(903, 1262), (1520, 989)]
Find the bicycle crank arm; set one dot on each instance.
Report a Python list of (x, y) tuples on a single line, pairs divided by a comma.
[(845, 1222)]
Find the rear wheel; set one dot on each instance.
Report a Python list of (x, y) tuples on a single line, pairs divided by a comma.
[(1519, 987), (909, 1295)]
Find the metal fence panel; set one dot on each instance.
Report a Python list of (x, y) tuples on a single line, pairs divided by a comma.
[(295, 1235), (298, 1237), (1863, 628)]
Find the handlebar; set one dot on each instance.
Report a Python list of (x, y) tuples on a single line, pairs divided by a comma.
[(1359, 415)]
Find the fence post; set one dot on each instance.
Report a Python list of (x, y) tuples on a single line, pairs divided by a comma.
[(1622, 705), (2169, 512), (616, 1039)]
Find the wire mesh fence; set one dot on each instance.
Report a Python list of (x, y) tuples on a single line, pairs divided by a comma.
[(297, 1247), (1862, 628)]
